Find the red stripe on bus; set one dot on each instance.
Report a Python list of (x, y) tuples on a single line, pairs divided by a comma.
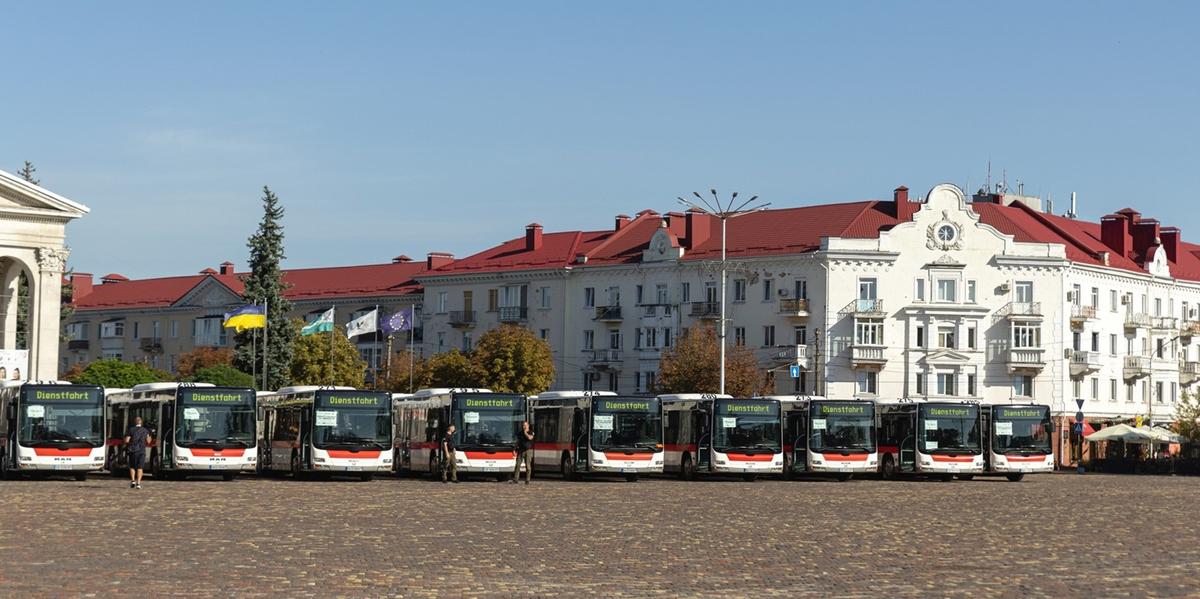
[(483, 455), (347, 454), (1032, 458), (553, 446), (837, 457), (679, 447), (751, 457), (952, 458), (69, 451), (629, 456), (205, 452)]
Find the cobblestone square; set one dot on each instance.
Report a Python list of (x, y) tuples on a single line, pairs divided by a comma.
[(1059, 535)]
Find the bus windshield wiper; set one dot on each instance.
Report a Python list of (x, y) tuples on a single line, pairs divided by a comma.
[(236, 440)]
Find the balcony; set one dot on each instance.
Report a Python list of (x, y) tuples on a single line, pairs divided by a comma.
[(868, 356), (795, 308), (1084, 362), (866, 308), (1189, 372), (605, 359), (652, 311), (608, 314), (462, 318), (513, 314), (77, 345), (705, 310), (1082, 314), (1137, 367), (1188, 328), (152, 345), (793, 355), (213, 340), (1164, 323), (1026, 359), (1022, 311), (1136, 320)]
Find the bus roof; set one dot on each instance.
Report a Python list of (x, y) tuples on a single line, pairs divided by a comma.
[(165, 386), (683, 396), (572, 394), (310, 388), (432, 392)]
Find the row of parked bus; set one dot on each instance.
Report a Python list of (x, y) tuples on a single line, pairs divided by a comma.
[(201, 429)]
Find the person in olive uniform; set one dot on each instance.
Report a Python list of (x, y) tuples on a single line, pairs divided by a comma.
[(524, 454), (449, 456)]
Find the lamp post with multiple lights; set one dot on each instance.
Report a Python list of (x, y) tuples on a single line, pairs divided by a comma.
[(724, 212)]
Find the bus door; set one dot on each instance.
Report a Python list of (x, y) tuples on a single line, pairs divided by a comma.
[(908, 442), (305, 435), (701, 423), (166, 441), (580, 434), (798, 431)]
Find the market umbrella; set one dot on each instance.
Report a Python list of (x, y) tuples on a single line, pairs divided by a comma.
[(1162, 435), (1122, 432)]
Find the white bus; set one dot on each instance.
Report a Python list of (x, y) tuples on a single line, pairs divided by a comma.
[(721, 435), (486, 426), (584, 432), (51, 428), (326, 430), (1017, 440), (197, 428), (831, 437), (940, 439)]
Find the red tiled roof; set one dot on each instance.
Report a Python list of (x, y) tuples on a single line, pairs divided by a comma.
[(306, 283)]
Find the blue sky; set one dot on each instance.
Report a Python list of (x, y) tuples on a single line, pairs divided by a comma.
[(391, 128)]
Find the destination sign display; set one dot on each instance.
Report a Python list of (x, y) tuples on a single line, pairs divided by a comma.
[(842, 409), (950, 411), (1020, 412), (216, 397), (748, 408), (491, 402), (64, 395), (625, 405), (353, 399)]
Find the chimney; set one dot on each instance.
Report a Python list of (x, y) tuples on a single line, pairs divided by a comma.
[(401, 259), (676, 224), (1170, 241), (622, 220), (1144, 233), (904, 208), (1114, 233), (533, 237), (437, 260), (81, 283), (112, 278), (699, 227), (226, 268)]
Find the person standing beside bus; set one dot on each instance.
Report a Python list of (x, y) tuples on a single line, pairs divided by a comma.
[(449, 456), (524, 454), (136, 439)]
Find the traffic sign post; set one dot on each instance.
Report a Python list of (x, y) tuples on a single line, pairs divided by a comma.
[(1079, 433), (795, 371)]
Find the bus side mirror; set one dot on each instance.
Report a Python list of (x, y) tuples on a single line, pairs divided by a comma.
[(11, 412), (261, 412)]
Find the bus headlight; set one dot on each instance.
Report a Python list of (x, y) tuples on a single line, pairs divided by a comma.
[(720, 462), (321, 460), (182, 458)]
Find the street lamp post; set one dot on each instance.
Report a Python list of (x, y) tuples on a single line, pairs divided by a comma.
[(724, 212)]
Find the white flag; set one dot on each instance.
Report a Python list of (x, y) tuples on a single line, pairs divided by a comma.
[(363, 324)]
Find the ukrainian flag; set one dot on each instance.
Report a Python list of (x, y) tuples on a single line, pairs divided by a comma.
[(252, 316)]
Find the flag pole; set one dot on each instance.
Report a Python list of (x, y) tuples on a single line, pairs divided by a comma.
[(411, 327), (333, 325), (254, 354), (266, 301)]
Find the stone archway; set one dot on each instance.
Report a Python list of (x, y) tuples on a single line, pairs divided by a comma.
[(32, 240)]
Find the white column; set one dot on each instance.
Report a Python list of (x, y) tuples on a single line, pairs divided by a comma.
[(45, 310)]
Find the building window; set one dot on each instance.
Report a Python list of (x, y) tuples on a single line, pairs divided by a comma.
[(208, 332), (466, 341), (667, 337), (768, 289), (685, 292), (739, 290), (637, 292), (920, 335), (868, 332), (1027, 335), (1174, 392), (443, 298), (441, 341), (971, 291), (1095, 388), (971, 337), (589, 340), (867, 382), (1113, 302), (800, 335), (589, 297), (971, 390), (137, 330), (945, 290), (651, 337), (800, 383), (493, 300), (1023, 385), (946, 337), (111, 330), (661, 296), (919, 290), (1096, 342), (1112, 343), (1112, 389), (1023, 292), (739, 336), (920, 384), (1129, 392), (801, 288), (1096, 297), (614, 340), (545, 298), (174, 329), (544, 334), (867, 288), (945, 384), (768, 336), (1158, 392)]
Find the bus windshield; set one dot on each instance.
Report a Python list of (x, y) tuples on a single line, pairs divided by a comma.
[(622, 423), (747, 425), (1021, 430), (488, 419), (948, 429), (62, 424), (841, 427), (352, 419), (217, 418)]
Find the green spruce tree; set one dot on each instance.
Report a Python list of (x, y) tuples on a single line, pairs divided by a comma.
[(27, 173), (265, 283)]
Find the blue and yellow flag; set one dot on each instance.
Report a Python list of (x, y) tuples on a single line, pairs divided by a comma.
[(252, 316)]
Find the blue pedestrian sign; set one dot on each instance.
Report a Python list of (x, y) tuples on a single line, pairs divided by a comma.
[(1078, 428), (795, 372)]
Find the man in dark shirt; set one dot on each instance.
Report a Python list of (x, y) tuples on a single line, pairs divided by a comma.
[(524, 454), (449, 456), (136, 439)]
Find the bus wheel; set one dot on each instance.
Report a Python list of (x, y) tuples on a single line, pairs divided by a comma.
[(749, 477), (631, 478), (156, 466), (887, 468), (228, 475), (5, 473), (81, 476), (434, 472), (567, 467), (965, 476), (946, 478), (1015, 476), (687, 468), (844, 476), (296, 473)]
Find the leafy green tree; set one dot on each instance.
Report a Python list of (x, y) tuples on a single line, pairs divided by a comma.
[(202, 357), (221, 375), (1187, 412), (116, 374), (265, 283), (513, 359), (693, 365), (447, 369), (395, 377), (310, 361)]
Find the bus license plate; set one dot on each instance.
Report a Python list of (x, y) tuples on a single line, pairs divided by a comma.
[(353, 468), (843, 469), (491, 469), (629, 470)]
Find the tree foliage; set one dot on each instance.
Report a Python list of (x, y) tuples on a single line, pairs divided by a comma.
[(202, 357), (265, 283), (512, 359), (447, 369), (693, 365), (395, 376), (221, 375), (27, 172), (116, 374), (310, 362), (1187, 412)]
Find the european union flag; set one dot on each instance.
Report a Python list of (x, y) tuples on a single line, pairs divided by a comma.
[(251, 316), (400, 321)]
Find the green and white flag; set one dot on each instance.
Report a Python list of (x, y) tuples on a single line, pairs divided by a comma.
[(324, 324), (367, 323)]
